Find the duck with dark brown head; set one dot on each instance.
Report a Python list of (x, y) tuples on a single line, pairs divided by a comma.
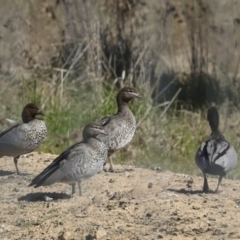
[(120, 127), (216, 156), (25, 137)]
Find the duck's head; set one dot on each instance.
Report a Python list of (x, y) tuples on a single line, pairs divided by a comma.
[(92, 130), (126, 94), (30, 111)]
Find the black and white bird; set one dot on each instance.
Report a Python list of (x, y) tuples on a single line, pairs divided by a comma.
[(120, 127), (77, 163), (216, 156), (22, 138)]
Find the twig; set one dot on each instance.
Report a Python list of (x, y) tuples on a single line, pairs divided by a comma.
[(145, 115), (162, 104), (164, 89), (174, 97)]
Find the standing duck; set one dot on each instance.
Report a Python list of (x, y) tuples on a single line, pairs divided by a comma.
[(79, 162), (24, 137), (215, 156), (120, 127)]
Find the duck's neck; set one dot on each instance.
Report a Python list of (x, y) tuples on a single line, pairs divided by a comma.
[(27, 119), (122, 104), (123, 107), (216, 133), (213, 119), (215, 130), (86, 136)]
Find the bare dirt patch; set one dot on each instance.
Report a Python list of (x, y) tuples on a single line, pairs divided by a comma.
[(136, 204)]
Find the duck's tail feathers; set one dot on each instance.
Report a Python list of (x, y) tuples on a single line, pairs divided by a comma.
[(47, 178)]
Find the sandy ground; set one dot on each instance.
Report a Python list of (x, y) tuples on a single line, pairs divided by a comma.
[(136, 204)]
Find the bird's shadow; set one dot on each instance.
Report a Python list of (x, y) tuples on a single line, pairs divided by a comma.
[(5, 173), (191, 192), (43, 196)]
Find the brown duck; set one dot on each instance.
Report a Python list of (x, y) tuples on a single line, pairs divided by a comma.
[(120, 127)]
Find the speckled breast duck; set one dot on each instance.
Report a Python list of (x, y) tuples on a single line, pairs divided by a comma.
[(25, 137), (216, 156), (79, 162), (120, 127)]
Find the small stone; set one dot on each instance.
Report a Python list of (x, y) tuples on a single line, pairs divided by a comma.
[(65, 235), (148, 215), (47, 199), (195, 207), (100, 233), (150, 185), (111, 180)]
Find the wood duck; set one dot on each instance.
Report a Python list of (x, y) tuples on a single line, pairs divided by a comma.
[(22, 138), (216, 156), (120, 127), (79, 162)]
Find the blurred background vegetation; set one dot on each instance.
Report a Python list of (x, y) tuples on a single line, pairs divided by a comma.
[(72, 56)]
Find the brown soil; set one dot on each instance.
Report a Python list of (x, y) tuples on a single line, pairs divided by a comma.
[(136, 204)]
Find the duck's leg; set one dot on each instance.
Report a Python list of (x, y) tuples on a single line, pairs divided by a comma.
[(111, 169), (205, 183), (219, 181), (80, 188), (15, 159), (104, 166), (73, 188)]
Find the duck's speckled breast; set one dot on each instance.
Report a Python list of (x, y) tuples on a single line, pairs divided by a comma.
[(121, 131), (37, 132)]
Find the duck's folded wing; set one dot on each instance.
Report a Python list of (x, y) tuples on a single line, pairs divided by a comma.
[(104, 121), (8, 131), (70, 169), (13, 141), (201, 157), (54, 166), (227, 159), (223, 154), (216, 150)]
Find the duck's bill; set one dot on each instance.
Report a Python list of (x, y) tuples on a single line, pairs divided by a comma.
[(40, 113)]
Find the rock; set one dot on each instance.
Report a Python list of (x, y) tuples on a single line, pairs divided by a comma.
[(150, 185), (47, 199), (65, 235), (101, 232)]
